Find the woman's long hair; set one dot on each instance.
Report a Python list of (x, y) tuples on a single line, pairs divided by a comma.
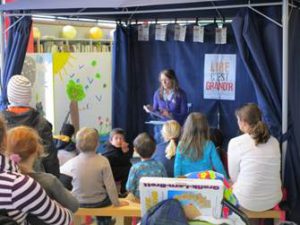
[(195, 135), (169, 73), (171, 132), (3, 135), (251, 114)]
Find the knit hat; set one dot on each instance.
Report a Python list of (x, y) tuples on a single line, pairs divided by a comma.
[(19, 91), (67, 129)]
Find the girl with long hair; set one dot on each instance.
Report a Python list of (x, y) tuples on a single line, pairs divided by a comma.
[(195, 152)]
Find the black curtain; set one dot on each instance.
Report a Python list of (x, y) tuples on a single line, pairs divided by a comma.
[(260, 46), (15, 52), (292, 165)]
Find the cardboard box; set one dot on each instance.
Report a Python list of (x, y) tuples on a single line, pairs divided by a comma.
[(199, 198)]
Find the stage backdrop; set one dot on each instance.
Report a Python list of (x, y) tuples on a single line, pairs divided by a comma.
[(136, 71)]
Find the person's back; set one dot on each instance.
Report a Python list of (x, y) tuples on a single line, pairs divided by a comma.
[(66, 148), (209, 161), (23, 145), (254, 162), (165, 152), (257, 185), (91, 175), (91, 181), (144, 145), (20, 113), (195, 152)]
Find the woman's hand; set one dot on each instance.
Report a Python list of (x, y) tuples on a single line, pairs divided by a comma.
[(166, 113)]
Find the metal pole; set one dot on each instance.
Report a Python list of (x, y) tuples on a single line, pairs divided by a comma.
[(285, 51), (2, 44), (151, 11)]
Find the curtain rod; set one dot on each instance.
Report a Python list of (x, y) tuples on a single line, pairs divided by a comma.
[(149, 11)]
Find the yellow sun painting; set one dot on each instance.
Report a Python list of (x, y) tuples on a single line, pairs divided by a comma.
[(60, 60)]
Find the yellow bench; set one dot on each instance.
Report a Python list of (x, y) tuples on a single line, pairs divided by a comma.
[(127, 212), (270, 214), (133, 210)]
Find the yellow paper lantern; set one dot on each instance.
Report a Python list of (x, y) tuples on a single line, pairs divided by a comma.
[(96, 33), (36, 33), (69, 32)]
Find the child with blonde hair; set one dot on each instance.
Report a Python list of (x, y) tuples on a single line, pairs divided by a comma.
[(92, 179), (195, 152), (165, 151), (24, 146)]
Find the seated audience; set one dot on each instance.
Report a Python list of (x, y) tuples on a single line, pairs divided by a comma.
[(118, 154), (254, 162), (66, 148), (25, 195), (23, 146), (165, 152), (92, 179), (144, 145), (195, 152)]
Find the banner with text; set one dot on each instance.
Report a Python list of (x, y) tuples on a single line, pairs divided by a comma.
[(219, 76)]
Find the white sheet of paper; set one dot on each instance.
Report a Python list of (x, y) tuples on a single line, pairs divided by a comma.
[(198, 34), (143, 32), (221, 35), (160, 32)]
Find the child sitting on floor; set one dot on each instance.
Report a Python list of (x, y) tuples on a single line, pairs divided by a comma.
[(118, 154), (144, 145)]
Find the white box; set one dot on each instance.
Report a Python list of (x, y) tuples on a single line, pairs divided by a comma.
[(199, 198)]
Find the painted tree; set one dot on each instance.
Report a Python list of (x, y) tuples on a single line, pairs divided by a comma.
[(75, 92)]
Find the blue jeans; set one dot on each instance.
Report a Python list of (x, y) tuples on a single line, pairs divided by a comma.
[(101, 220)]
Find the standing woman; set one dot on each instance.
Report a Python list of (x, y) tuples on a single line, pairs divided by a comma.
[(169, 101), (195, 152), (254, 162)]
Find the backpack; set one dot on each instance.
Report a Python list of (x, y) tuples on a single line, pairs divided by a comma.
[(5, 219), (166, 212)]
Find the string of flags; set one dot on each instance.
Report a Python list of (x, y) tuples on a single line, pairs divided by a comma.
[(180, 33)]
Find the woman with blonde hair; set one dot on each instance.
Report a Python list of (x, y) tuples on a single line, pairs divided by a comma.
[(24, 146), (195, 152), (254, 162), (25, 195), (165, 152)]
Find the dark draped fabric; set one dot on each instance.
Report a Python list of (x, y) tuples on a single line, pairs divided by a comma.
[(15, 52), (260, 46), (292, 165), (136, 67)]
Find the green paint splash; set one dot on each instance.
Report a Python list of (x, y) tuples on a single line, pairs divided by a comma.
[(94, 63), (75, 91), (98, 76)]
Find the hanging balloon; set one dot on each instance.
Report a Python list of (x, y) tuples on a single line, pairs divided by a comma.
[(96, 33), (36, 33), (69, 32)]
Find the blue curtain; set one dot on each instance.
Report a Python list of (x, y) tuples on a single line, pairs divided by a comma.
[(260, 46), (14, 53), (136, 67), (292, 166)]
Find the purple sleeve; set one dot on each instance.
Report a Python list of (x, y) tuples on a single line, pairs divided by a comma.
[(182, 113), (155, 101)]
